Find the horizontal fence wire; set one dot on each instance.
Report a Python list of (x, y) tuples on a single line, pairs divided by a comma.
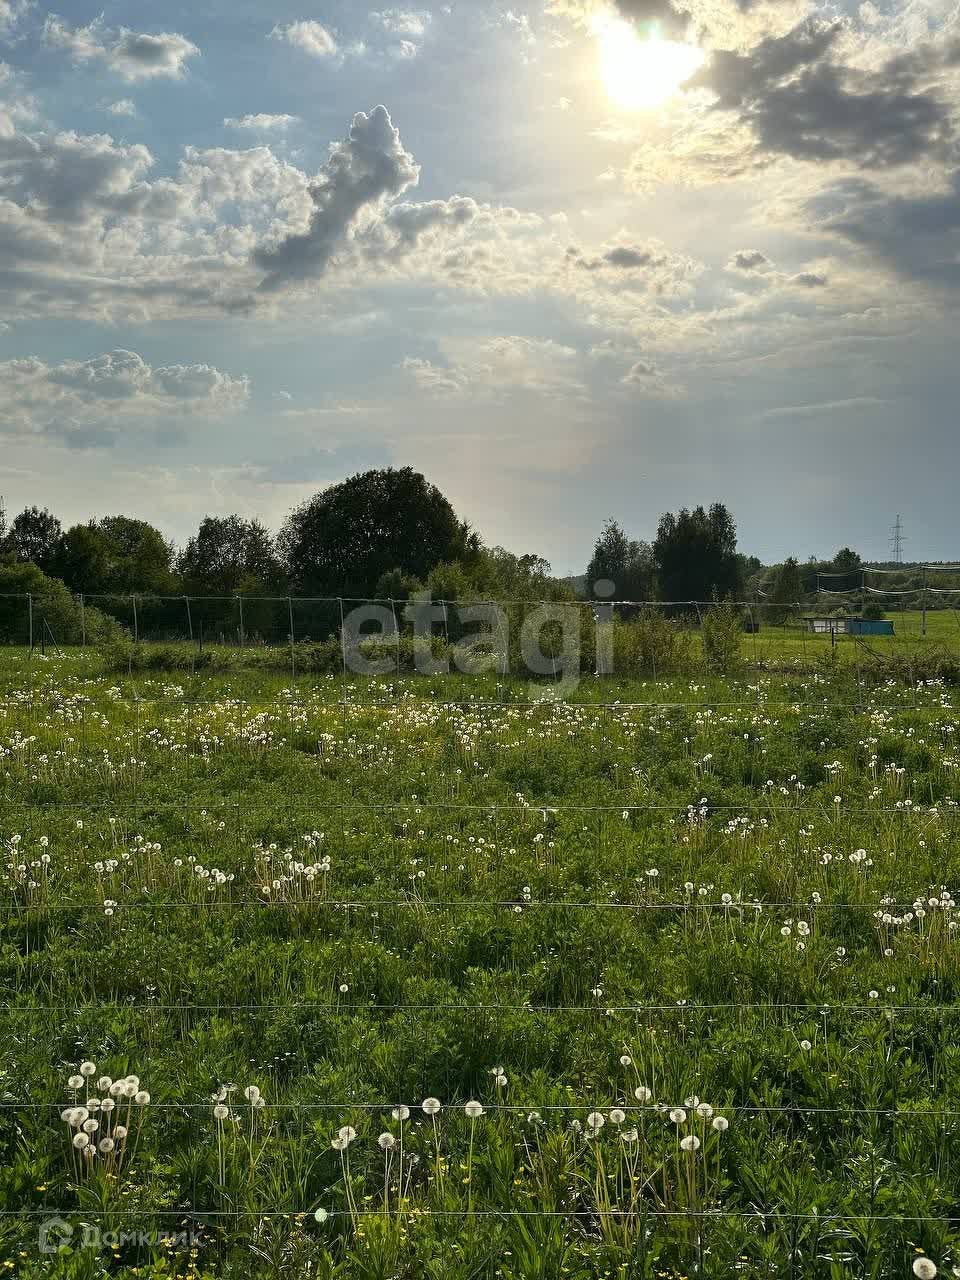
[(639, 1214), (449, 904), (647, 1111), (679, 1007), (906, 806), (760, 703)]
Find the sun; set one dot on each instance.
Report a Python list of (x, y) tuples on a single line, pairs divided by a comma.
[(642, 71)]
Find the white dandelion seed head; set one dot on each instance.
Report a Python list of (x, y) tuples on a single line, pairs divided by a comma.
[(88, 1068), (251, 1093), (75, 1082), (924, 1268), (81, 1140), (141, 1098), (617, 1116), (721, 1124), (642, 1093), (474, 1109), (690, 1143), (401, 1113), (678, 1115), (431, 1106), (220, 1112), (386, 1141)]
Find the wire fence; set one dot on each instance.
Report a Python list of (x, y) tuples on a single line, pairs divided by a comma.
[(491, 626)]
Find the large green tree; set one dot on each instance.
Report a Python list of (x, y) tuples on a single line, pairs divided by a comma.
[(623, 562), (36, 534), (82, 559), (227, 555), (342, 541), (139, 558), (695, 554)]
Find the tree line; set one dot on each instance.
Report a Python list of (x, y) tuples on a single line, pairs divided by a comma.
[(383, 534)]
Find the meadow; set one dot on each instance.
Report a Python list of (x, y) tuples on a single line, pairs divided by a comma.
[(409, 976)]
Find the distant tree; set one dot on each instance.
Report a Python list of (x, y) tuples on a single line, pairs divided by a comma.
[(526, 577), (695, 554), (139, 557), (787, 589), (82, 559), (810, 572), (36, 535), (7, 554), (343, 540), (622, 561), (228, 555), (846, 561)]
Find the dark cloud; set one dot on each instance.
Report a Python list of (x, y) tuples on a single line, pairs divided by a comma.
[(808, 280), (799, 102), (919, 236), (369, 165), (749, 260), (623, 257)]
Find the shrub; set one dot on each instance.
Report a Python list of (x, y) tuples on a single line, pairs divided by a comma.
[(722, 632), (652, 644), (57, 616)]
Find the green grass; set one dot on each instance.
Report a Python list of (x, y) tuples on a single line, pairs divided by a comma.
[(490, 903)]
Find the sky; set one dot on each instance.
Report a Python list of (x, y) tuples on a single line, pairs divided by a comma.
[(572, 259)]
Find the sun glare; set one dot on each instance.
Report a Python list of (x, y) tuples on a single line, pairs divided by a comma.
[(642, 71)]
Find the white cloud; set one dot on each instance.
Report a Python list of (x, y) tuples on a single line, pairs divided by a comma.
[(399, 33), (312, 37), (11, 11), (125, 107), (411, 23), (500, 365), (263, 122), (90, 401), (131, 54)]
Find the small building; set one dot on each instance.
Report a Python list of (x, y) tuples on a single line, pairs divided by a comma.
[(826, 626), (849, 626)]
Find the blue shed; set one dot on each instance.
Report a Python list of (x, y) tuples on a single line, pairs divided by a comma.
[(869, 627)]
